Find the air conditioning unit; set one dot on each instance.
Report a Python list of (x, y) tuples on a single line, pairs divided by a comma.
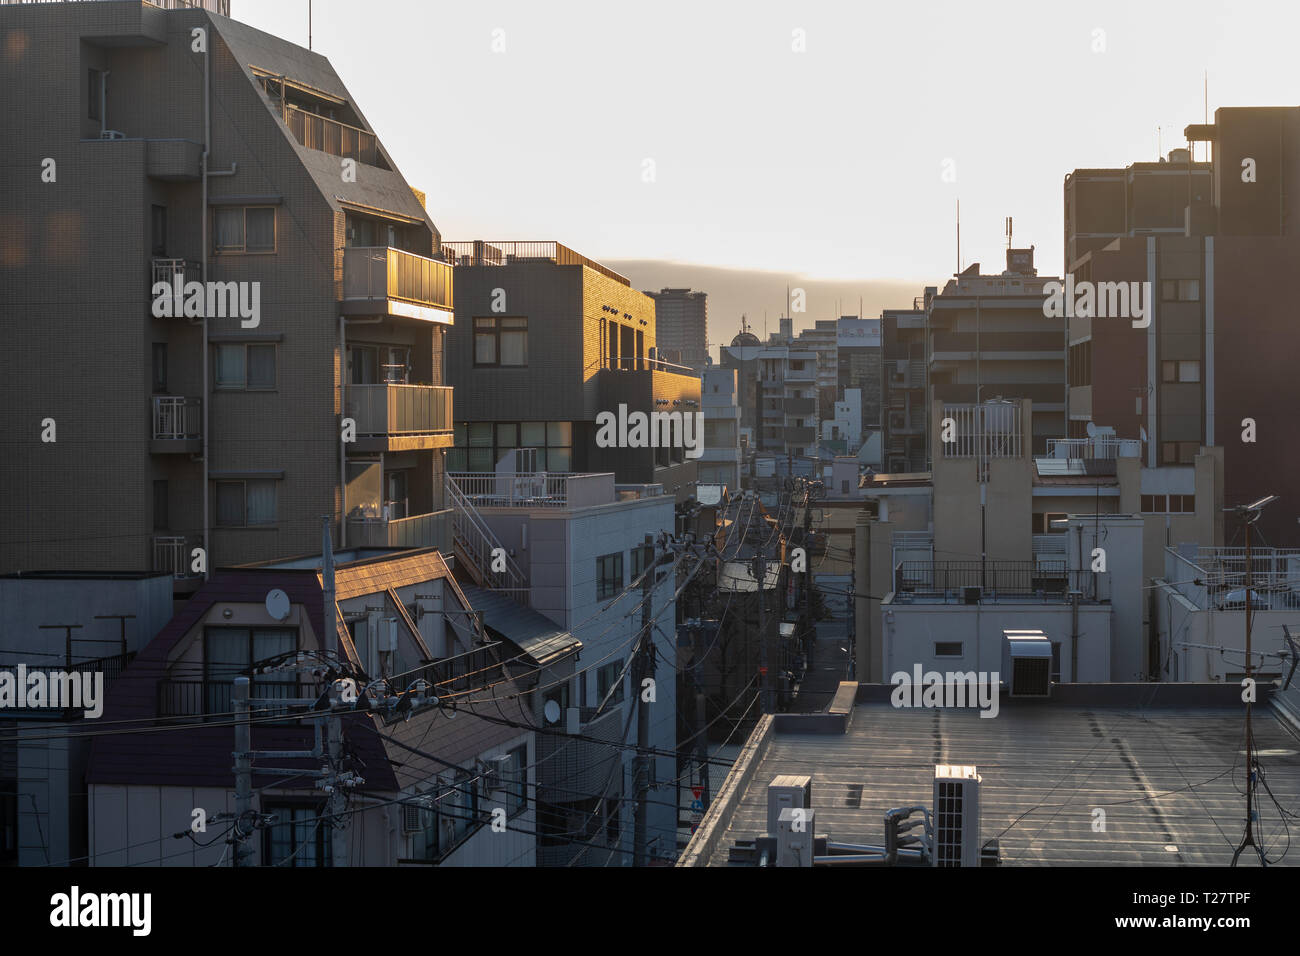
[(786, 792), (412, 817), (1027, 663), (794, 837), (111, 134), (956, 816)]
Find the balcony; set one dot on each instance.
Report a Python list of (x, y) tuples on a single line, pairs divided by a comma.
[(173, 160), (111, 667), (418, 531), (808, 374), (1044, 579), (171, 555), (168, 270), (400, 417), (331, 136), (801, 406), (381, 280), (533, 490), (177, 426), (214, 699)]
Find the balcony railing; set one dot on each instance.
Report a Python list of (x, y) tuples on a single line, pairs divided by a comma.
[(111, 667), (166, 270), (331, 136), (176, 418), (997, 580), (213, 699), (381, 410), (380, 273), (495, 253), (533, 489), (221, 7), (430, 530), (1093, 447), (171, 555)]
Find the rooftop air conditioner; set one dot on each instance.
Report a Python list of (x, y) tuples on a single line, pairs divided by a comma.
[(412, 817), (1027, 663), (794, 837), (956, 816), (787, 791)]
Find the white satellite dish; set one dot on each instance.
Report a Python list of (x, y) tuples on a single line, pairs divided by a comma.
[(277, 604), (1143, 432), (552, 711), (1092, 430)]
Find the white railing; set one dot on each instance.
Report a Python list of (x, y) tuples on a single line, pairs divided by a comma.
[(536, 489), (166, 270), (475, 544), (983, 431), (171, 554), (176, 418)]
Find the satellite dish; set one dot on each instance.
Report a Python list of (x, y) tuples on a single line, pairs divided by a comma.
[(1143, 432), (1092, 430), (277, 604), (552, 711)]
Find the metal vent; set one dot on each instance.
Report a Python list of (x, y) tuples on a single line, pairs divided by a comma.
[(1031, 677), (412, 814), (948, 823)]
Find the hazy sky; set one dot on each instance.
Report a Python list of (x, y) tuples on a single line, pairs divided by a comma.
[(825, 164)]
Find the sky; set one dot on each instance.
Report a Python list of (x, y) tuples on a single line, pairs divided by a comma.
[(822, 145)]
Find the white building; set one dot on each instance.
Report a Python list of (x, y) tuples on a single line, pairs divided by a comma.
[(719, 394), (846, 424)]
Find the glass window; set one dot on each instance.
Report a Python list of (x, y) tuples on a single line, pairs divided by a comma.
[(1189, 290), (261, 501), (230, 366), (514, 341), (558, 460), (298, 838), (517, 789), (261, 366), (228, 223), (242, 504), (609, 575), (610, 676), (559, 434), (230, 504), (534, 435), (507, 436), (94, 92), (485, 342), (260, 229), (1189, 371), (947, 649), (501, 341), (243, 229)]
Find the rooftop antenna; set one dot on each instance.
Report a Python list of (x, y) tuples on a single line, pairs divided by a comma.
[(308, 24), (1250, 514), (1008, 232)]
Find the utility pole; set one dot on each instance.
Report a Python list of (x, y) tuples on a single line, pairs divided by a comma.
[(334, 732), (121, 619), (243, 768), (645, 668), (765, 684)]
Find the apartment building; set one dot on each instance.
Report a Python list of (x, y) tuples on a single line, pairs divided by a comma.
[(576, 555), (682, 327), (904, 390), (989, 337), (1210, 240), (144, 426), (546, 341), (783, 376), (720, 463), (858, 361), (823, 340)]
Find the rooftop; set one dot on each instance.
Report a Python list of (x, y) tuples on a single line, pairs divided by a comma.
[(479, 252), (1162, 760)]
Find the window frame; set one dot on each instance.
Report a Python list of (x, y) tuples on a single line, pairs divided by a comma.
[(244, 482), (606, 676), (247, 346), (948, 655), (496, 331), (243, 250), (320, 835), (604, 588)]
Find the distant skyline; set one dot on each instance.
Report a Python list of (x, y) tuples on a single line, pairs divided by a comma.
[(824, 166)]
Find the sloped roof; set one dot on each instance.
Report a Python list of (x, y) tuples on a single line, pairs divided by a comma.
[(536, 635)]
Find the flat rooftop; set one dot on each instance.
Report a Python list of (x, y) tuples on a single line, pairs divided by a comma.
[(1166, 775)]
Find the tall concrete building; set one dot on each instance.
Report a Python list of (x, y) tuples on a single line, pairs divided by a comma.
[(989, 337), (822, 340), (857, 357), (904, 392), (720, 463), (138, 429), (682, 327), (547, 341), (1215, 360)]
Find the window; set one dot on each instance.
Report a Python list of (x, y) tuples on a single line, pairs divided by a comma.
[(243, 229), (159, 367), (501, 342), (641, 559), (160, 516), (229, 652), (1056, 663), (300, 837), (1182, 371), (158, 229), (95, 94), (477, 451), (246, 503), (1178, 452), (607, 676), (947, 649), (379, 364), (1169, 504), (609, 575), (517, 784), (244, 366), (1180, 290), (8, 822)]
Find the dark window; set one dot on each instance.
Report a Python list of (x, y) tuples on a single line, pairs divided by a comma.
[(246, 503), (947, 649), (159, 367), (607, 676), (517, 788), (160, 518), (641, 558), (501, 342), (300, 837), (243, 229), (609, 575), (229, 652), (158, 228), (244, 366)]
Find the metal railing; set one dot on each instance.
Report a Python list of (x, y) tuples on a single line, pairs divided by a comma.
[(495, 253), (331, 136), (984, 431), (400, 409), (221, 7), (176, 418), (213, 699), (374, 273), (539, 489), (477, 545), (166, 270), (171, 554), (1091, 447), (996, 579), (111, 667)]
